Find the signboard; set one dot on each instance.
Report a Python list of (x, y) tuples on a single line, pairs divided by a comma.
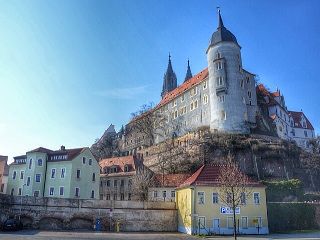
[(228, 210)]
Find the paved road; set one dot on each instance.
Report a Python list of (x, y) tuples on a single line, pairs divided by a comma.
[(47, 235)]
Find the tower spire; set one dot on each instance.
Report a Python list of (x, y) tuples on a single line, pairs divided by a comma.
[(220, 22), (188, 74)]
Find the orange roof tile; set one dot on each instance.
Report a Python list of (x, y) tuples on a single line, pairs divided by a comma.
[(208, 175), (120, 162), (170, 180)]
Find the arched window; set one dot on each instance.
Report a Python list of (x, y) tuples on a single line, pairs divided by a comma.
[(92, 194)]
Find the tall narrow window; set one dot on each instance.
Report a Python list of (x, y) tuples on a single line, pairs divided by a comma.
[(51, 191), (61, 191), (14, 175), (21, 174), (28, 181), (93, 177), (215, 198), (201, 198), (38, 177), (53, 173), (90, 161), (92, 194), (244, 222), (256, 198), (30, 163), (77, 192), (78, 173), (40, 162), (243, 198), (63, 172)]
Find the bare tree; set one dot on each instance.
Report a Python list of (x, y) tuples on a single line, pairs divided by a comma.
[(141, 182), (234, 187)]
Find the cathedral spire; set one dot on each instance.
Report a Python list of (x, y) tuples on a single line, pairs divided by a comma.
[(169, 79), (189, 74)]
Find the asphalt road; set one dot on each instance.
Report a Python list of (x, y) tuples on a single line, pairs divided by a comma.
[(50, 235)]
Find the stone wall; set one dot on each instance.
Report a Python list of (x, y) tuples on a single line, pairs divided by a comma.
[(55, 213)]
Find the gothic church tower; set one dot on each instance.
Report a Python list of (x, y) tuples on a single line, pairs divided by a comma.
[(227, 106), (169, 80)]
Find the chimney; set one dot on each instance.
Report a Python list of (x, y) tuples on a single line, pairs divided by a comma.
[(63, 148)]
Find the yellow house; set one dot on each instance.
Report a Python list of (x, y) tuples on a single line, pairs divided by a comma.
[(200, 209)]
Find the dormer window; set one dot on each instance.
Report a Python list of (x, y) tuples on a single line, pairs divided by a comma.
[(126, 168)]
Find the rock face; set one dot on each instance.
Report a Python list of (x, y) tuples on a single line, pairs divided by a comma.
[(261, 157), (57, 214)]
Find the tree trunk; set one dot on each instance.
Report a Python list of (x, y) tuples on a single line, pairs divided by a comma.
[(234, 217)]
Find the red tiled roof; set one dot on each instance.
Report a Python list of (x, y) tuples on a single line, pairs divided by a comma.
[(297, 118), (198, 78), (120, 162), (208, 175), (262, 89), (170, 180), (41, 149)]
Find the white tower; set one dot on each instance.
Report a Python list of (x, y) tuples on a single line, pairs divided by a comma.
[(227, 97)]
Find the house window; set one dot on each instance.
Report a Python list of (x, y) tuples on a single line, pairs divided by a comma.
[(83, 160), (200, 197), (12, 192), (175, 114), (305, 133), (193, 105), (19, 191), (40, 162), (205, 99), (202, 222), (219, 81), (219, 65), (155, 194), (256, 198), (122, 182), (258, 221), (38, 177), (115, 183), (77, 192), (244, 222), (108, 183), (115, 196), (93, 177), (229, 198), (92, 194), (28, 181), (51, 191), (122, 196), (108, 197), (243, 198), (126, 168), (173, 194), (78, 173), (14, 175), (218, 55), (53, 173), (21, 174), (61, 191), (36, 193), (129, 196), (215, 198), (249, 94), (164, 194), (174, 103), (248, 79), (63, 172), (230, 222), (30, 163)]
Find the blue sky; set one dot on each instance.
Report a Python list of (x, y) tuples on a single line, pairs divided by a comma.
[(68, 69)]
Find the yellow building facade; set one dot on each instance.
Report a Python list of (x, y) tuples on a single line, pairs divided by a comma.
[(200, 209)]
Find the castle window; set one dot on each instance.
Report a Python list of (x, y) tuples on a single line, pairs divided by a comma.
[(219, 81), (174, 103), (248, 79), (219, 65), (175, 114), (223, 115), (305, 133), (14, 175), (221, 98), (249, 94), (242, 83), (30, 163), (193, 91), (182, 97), (193, 105), (218, 55), (205, 85), (205, 99), (183, 110)]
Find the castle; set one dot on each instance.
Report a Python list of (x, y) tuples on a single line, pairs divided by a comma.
[(222, 97)]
